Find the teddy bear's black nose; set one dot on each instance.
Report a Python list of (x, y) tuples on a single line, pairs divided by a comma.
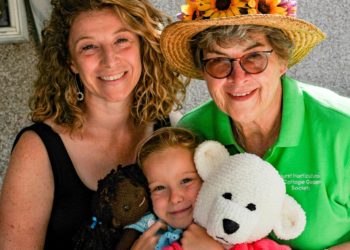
[(230, 226)]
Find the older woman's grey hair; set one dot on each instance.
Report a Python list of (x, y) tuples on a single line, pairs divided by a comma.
[(225, 36)]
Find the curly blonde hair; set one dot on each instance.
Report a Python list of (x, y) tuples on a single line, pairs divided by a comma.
[(158, 92)]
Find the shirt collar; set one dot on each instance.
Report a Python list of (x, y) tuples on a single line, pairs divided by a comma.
[(293, 111), (223, 131)]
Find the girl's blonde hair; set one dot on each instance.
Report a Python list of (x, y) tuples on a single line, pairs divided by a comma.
[(164, 138)]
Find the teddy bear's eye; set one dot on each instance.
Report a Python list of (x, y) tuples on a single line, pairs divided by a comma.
[(251, 207), (227, 196), (126, 207)]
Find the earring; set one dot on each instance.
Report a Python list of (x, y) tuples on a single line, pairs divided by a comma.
[(80, 94)]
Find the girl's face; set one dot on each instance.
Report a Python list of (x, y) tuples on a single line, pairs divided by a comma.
[(106, 55), (174, 185)]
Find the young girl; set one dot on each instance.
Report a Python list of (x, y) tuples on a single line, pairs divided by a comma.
[(166, 158)]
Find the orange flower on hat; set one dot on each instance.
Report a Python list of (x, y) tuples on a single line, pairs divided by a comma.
[(188, 11), (220, 8), (270, 7)]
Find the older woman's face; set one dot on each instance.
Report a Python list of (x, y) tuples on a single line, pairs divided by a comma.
[(247, 97), (106, 55)]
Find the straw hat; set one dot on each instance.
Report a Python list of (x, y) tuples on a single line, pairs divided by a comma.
[(199, 15)]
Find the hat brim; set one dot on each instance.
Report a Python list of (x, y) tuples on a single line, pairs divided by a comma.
[(176, 48)]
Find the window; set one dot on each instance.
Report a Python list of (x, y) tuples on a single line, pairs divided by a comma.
[(13, 21)]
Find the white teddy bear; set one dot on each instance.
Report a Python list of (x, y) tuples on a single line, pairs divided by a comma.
[(243, 199)]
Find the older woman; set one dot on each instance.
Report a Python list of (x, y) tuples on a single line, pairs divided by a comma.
[(242, 49)]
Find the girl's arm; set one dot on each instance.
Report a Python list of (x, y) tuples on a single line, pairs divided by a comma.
[(148, 240), (196, 238), (26, 196)]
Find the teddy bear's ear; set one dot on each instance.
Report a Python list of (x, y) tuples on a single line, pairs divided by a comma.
[(292, 221), (209, 155)]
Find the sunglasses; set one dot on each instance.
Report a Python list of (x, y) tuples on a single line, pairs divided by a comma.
[(222, 67)]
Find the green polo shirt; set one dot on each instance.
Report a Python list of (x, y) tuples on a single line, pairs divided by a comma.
[(312, 154)]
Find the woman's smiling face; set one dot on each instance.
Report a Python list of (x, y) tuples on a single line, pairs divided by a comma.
[(246, 97), (106, 55)]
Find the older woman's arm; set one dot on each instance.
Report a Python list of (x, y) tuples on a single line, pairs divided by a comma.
[(344, 246)]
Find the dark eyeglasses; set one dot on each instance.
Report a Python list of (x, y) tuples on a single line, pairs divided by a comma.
[(252, 63)]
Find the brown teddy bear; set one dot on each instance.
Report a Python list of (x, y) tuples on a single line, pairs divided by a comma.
[(122, 198)]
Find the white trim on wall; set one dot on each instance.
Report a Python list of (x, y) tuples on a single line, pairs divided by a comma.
[(17, 31), (41, 10)]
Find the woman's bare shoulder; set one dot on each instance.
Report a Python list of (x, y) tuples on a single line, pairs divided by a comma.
[(27, 194)]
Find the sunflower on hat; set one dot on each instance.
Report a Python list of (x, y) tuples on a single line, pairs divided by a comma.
[(189, 11), (209, 9), (223, 8)]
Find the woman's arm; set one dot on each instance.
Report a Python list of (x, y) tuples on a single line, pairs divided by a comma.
[(128, 239), (26, 196), (344, 246)]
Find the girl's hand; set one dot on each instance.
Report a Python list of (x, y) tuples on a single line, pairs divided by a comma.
[(148, 240), (195, 237)]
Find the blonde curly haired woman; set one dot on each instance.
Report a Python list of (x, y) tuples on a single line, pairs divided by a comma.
[(103, 86)]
